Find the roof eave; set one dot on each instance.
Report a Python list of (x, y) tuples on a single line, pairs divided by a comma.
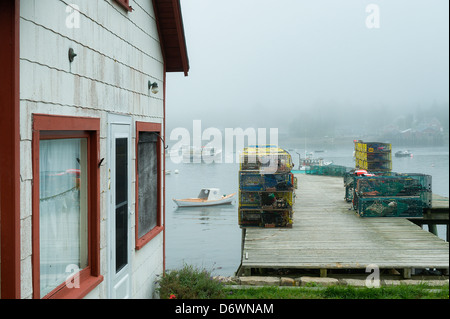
[(171, 32)]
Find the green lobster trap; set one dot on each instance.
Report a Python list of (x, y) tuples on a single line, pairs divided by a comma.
[(350, 178), (266, 200), (253, 181), (406, 206), (327, 170), (379, 193), (394, 185), (264, 218), (249, 199)]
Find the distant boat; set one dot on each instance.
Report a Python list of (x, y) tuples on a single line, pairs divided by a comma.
[(403, 153), (204, 154), (207, 197)]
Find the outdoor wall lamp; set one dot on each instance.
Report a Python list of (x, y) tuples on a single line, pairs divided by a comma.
[(153, 86), (72, 55)]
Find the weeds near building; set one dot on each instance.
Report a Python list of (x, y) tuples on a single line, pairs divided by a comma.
[(189, 282)]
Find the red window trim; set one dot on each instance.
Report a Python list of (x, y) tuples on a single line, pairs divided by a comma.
[(142, 241), (125, 4), (53, 127)]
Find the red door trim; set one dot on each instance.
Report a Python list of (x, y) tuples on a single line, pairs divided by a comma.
[(10, 148), (164, 170)]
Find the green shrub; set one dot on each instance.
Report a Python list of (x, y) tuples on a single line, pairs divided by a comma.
[(189, 283)]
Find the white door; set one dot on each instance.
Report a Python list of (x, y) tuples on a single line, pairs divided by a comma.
[(119, 175)]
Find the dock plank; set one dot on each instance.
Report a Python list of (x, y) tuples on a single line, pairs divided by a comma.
[(328, 234)]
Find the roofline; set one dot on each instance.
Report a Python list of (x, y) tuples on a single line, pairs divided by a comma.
[(179, 61), (182, 37)]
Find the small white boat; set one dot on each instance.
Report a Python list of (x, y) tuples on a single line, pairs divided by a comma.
[(404, 153), (207, 197)]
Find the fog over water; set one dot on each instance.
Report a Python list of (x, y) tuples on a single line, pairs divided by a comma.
[(323, 73), (313, 68)]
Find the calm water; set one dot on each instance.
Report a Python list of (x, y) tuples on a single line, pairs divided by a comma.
[(211, 238)]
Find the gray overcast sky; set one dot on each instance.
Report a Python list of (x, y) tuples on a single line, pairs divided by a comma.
[(264, 59)]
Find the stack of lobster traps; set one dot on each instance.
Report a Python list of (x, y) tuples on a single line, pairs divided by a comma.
[(388, 194), (266, 187), (373, 156), (328, 170)]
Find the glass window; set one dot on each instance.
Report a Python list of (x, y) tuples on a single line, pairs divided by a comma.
[(148, 182), (63, 208), (121, 203)]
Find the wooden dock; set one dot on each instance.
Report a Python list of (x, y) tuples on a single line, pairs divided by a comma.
[(328, 235), (436, 215)]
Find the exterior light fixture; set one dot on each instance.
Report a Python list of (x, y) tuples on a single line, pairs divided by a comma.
[(154, 87), (72, 55)]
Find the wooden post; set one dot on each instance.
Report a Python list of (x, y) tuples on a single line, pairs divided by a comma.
[(407, 273), (323, 273), (432, 228)]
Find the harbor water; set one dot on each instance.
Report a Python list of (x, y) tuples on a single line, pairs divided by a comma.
[(210, 238)]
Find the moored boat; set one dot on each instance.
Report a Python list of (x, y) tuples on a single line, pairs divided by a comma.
[(207, 197), (403, 153)]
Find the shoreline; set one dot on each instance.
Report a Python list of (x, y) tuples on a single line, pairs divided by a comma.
[(310, 281)]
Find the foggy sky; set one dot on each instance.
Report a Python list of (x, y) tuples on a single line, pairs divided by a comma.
[(262, 63)]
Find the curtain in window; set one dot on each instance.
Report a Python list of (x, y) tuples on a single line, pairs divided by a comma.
[(62, 210)]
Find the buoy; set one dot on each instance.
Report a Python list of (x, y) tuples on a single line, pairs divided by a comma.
[(176, 171), (360, 172)]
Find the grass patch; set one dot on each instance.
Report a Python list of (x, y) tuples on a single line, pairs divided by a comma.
[(194, 283), (422, 291), (270, 293)]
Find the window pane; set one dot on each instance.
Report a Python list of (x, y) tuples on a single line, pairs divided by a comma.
[(121, 202), (62, 210), (148, 182)]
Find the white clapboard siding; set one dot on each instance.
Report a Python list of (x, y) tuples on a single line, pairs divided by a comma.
[(88, 63), (61, 87), (117, 54), (98, 20)]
